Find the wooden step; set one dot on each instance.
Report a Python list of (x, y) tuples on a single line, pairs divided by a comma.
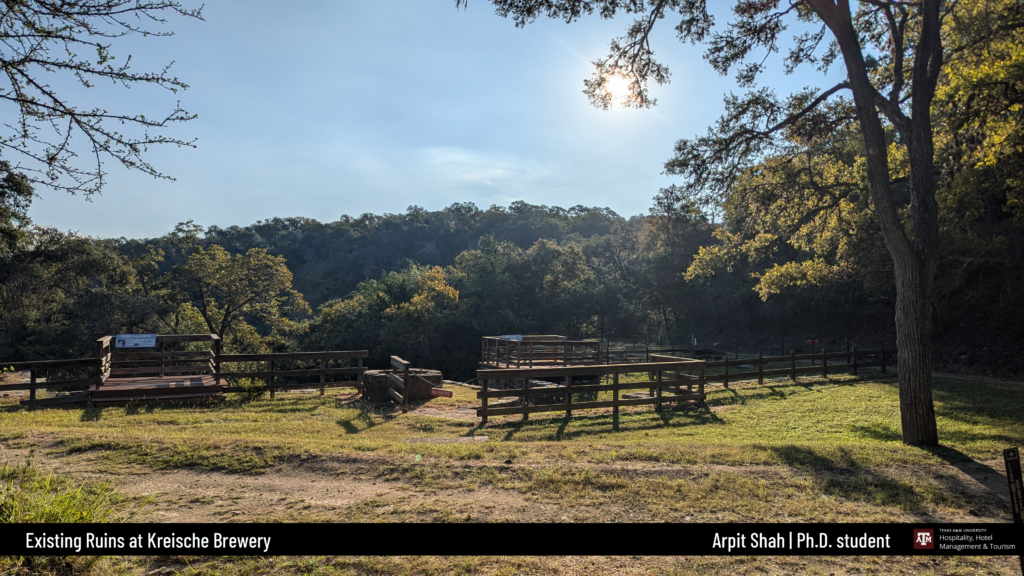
[(151, 391), (182, 398)]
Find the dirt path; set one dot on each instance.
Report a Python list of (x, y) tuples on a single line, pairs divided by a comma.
[(363, 489)]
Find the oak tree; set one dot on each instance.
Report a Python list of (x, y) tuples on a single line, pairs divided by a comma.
[(893, 55)]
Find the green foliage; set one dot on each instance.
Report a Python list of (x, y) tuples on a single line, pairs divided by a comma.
[(251, 389), (232, 291)]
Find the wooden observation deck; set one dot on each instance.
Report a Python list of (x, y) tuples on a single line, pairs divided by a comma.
[(182, 368), (536, 350)]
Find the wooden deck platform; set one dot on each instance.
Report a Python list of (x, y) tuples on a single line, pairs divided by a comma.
[(116, 391)]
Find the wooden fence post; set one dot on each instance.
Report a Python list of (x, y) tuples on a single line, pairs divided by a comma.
[(824, 363), (792, 365), (854, 360), (483, 404), (408, 386), (568, 396), (615, 394), (162, 345), (270, 383), (703, 377), (218, 348), (323, 366), (726, 360), (760, 368), (883, 357), (359, 376), (658, 403), (848, 353), (32, 381), (526, 398)]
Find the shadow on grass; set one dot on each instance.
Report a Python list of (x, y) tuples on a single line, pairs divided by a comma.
[(91, 414), (589, 425), (978, 402), (838, 475), (984, 474)]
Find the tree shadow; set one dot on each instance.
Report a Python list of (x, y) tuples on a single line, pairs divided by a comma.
[(91, 414), (595, 424), (983, 474)]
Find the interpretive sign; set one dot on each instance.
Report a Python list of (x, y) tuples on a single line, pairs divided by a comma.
[(135, 341)]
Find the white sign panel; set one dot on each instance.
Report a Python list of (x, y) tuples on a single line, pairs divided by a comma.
[(135, 341)]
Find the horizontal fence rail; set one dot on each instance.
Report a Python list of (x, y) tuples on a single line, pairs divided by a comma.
[(279, 371), (666, 374), (667, 386)]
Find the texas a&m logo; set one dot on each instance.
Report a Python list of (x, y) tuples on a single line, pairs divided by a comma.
[(924, 539)]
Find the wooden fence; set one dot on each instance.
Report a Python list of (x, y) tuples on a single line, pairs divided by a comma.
[(534, 351), (822, 363), (40, 368), (290, 370), (658, 386), (160, 362), (280, 371)]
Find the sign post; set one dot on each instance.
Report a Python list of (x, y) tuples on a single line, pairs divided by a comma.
[(1013, 477)]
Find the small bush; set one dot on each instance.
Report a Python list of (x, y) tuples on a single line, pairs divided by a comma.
[(251, 389)]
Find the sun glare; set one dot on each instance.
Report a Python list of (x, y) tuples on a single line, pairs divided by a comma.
[(618, 87)]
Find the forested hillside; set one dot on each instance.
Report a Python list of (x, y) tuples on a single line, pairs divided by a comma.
[(796, 253)]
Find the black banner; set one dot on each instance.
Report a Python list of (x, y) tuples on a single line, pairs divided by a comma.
[(513, 539)]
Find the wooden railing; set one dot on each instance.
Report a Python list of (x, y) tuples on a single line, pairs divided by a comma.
[(534, 351), (822, 363), (272, 371), (399, 385), (674, 382), (37, 369), (113, 363)]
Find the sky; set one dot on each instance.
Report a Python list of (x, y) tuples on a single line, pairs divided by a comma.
[(345, 107)]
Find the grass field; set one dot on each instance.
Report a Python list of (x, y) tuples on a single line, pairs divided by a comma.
[(812, 450)]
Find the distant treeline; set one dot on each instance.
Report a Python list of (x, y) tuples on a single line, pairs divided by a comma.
[(795, 253)]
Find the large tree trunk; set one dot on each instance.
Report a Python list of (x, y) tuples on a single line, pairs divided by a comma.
[(914, 352), (913, 258)]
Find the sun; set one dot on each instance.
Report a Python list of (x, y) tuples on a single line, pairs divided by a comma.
[(618, 87)]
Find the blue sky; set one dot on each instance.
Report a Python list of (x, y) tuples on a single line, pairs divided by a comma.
[(331, 108)]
